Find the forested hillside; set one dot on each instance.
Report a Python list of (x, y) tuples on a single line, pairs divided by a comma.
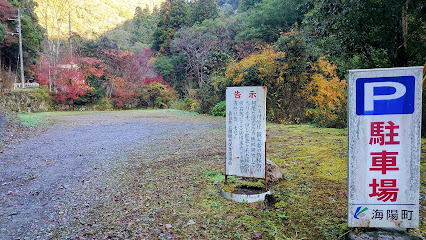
[(183, 54), (89, 19)]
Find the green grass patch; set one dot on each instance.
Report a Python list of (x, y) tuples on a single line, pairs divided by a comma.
[(29, 120), (41, 119)]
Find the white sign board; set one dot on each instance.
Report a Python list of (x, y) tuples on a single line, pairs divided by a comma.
[(246, 131), (384, 108)]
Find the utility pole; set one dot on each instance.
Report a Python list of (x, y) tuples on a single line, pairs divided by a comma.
[(21, 55), (70, 41)]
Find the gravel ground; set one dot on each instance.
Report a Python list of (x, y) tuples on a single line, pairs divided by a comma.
[(2, 122), (47, 174)]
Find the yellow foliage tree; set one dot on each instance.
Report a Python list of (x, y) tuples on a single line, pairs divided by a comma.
[(271, 68), (298, 90), (327, 95), (264, 63)]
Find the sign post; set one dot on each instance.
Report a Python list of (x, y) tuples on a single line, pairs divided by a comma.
[(384, 120), (246, 132)]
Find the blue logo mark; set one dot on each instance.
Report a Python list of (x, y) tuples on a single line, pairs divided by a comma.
[(360, 213), (385, 95)]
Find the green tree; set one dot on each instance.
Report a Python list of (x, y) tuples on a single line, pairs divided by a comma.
[(144, 24), (173, 17), (247, 4), (373, 33), (233, 3), (6, 40), (173, 69), (271, 18), (32, 33), (204, 9), (227, 9), (3, 32)]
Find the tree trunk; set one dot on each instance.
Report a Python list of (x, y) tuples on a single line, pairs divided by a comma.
[(404, 23), (70, 40), (401, 55)]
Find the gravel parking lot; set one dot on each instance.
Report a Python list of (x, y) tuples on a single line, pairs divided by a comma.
[(48, 174)]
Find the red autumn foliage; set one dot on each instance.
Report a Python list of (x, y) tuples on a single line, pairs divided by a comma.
[(7, 11), (122, 74), (70, 83), (146, 81), (128, 74), (68, 79), (41, 74), (92, 66)]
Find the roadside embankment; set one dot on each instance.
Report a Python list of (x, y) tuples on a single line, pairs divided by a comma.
[(25, 101)]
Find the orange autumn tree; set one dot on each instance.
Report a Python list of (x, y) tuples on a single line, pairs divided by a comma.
[(264, 64), (285, 83), (327, 95), (300, 87)]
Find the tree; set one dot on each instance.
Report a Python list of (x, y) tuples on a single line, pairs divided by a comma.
[(206, 50), (93, 70), (173, 16), (145, 24), (204, 9), (91, 19), (196, 47), (227, 9), (247, 4), (326, 95), (233, 3), (7, 11), (69, 84), (271, 18), (374, 33), (286, 70), (174, 71), (32, 35), (268, 68), (157, 93)]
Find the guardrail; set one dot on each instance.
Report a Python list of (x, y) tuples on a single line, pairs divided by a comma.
[(27, 85)]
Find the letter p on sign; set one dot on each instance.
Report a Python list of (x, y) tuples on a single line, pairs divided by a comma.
[(385, 95)]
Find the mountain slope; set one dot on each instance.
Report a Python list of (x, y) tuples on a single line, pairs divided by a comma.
[(89, 18)]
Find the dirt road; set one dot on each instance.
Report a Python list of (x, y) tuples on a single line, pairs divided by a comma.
[(59, 180)]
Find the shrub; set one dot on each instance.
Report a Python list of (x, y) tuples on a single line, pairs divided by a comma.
[(104, 104), (6, 80), (327, 93), (219, 109), (158, 95), (187, 104)]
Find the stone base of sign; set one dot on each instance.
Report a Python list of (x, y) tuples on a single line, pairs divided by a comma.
[(273, 172), (382, 235), (244, 197)]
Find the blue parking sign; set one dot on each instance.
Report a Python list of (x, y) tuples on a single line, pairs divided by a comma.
[(384, 146), (385, 95)]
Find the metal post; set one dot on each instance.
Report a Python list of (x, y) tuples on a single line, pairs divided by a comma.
[(266, 170), (21, 55)]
